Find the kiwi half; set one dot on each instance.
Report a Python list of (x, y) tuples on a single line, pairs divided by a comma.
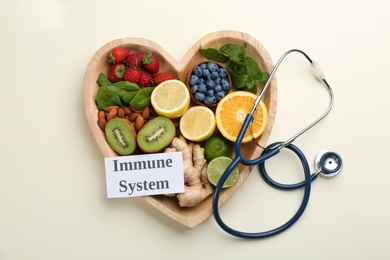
[(156, 134), (120, 135)]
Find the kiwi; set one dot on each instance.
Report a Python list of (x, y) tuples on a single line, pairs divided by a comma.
[(156, 134), (120, 135)]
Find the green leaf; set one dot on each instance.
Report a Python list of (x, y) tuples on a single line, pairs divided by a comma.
[(251, 85), (214, 54), (142, 98), (105, 97), (236, 53), (235, 68), (129, 96), (239, 79), (103, 80), (253, 67), (244, 71), (121, 93), (126, 85)]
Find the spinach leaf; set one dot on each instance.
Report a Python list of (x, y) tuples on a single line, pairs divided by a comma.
[(126, 85), (142, 98), (103, 80), (105, 97), (129, 96)]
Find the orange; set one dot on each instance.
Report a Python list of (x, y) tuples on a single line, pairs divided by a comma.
[(231, 112)]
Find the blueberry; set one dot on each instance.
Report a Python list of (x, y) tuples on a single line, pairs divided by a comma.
[(212, 66), (218, 88), (197, 71), (194, 80), (210, 100), (225, 85), (203, 66), (222, 73), (214, 75), (220, 95), (194, 89), (210, 92), (210, 84), (218, 81), (199, 96), (205, 73), (202, 88)]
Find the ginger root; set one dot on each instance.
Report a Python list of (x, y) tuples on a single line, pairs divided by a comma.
[(196, 184)]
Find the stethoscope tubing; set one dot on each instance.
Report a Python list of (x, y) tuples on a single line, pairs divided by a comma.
[(289, 223), (277, 185), (269, 152)]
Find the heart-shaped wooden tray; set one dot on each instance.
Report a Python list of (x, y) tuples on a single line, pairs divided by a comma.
[(190, 217)]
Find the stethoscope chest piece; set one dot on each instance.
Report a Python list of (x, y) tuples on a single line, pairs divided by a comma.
[(328, 163)]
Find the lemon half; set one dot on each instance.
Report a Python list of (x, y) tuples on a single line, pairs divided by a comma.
[(198, 123), (170, 98)]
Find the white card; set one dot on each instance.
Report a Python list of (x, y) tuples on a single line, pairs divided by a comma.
[(143, 175)]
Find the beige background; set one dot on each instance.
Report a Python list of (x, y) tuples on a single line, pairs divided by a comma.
[(52, 186)]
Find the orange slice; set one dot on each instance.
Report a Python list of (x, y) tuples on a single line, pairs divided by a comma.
[(231, 112)]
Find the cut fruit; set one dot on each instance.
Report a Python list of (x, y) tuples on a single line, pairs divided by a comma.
[(217, 167), (120, 135), (231, 112), (171, 98), (156, 134), (197, 124)]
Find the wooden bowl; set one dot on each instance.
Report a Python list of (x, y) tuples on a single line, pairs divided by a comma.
[(188, 77), (190, 217)]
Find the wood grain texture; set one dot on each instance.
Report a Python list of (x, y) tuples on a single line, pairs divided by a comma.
[(190, 217)]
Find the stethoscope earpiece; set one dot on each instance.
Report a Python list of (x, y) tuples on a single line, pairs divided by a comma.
[(328, 163)]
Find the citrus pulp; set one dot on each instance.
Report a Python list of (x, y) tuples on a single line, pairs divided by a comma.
[(170, 98), (231, 112), (197, 124), (217, 167)]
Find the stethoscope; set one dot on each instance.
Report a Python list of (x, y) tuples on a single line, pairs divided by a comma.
[(328, 163)]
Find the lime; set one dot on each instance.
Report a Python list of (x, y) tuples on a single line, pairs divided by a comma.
[(217, 167), (217, 146)]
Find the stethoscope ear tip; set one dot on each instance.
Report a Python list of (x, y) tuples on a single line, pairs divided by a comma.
[(328, 163)]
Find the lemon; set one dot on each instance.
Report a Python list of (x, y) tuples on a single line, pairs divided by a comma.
[(217, 146), (170, 98), (197, 124), (217, 167)]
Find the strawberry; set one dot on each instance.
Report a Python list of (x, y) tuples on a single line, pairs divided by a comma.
[(146, 79), (118, 54), (161, 77), (135, 59), (132, 75), (150, 63), (116, 72)]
